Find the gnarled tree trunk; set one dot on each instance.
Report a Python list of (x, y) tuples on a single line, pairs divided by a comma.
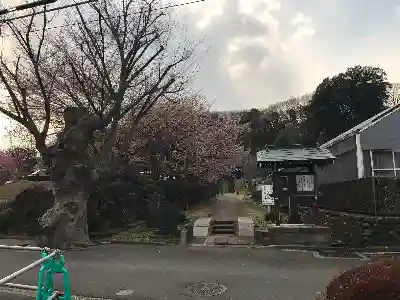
[(73, 173), (65, 224)]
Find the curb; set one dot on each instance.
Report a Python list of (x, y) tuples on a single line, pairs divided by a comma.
[(177, 245), (371, 249), (16, 237), (26, 294), (382, 249), (134, 243), (24, 242), (225, 246)]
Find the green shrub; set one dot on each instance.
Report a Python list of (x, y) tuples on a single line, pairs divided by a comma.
[(169, 216), (118, 199), (295, 218), (20, 216), (269, 217), (256, 195)]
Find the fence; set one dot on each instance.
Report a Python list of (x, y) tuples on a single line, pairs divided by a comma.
[(52, 262), (369, 195)]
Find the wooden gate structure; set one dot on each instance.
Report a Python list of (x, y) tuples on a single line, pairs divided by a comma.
[(294, 174)]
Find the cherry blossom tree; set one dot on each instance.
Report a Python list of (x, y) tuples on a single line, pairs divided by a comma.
[(184, 134), (7, 166), (16, 162), (24, 160), (108, 60)]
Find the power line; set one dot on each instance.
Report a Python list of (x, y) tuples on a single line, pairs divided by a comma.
[(26, 6), (2, 34), (89, 21), (47, 10)]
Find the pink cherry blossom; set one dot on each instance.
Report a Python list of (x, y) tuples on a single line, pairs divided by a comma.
[(200, 144)]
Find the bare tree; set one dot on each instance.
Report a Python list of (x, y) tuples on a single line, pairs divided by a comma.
[(394, 95), (119, 58), (23, 80)]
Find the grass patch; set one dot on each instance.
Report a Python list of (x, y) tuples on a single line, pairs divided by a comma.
[(151, 235), (253, 210), (146, 236), (201, 210)]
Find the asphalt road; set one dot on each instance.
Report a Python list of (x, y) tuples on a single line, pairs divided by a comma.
[(148, 272)]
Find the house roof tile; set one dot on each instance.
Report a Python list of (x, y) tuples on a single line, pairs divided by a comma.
[(361, 127)]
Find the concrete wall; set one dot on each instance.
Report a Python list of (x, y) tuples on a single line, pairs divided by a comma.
[(382, 135)]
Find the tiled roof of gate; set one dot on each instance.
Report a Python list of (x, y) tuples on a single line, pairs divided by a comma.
[(302, 154)]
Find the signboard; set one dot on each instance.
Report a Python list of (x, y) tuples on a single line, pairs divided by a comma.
[(305, 183), (266, 191)]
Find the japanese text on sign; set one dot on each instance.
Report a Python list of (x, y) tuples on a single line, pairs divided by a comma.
[(305, 183), (266, 191)]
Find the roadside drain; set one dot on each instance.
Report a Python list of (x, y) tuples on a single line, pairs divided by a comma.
[(339, 254), (205, 289)]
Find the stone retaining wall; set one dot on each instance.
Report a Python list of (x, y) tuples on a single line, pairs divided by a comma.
[(357, 230), (290, 234)]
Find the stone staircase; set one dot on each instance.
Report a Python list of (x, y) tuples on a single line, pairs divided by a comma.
[(223, 227)]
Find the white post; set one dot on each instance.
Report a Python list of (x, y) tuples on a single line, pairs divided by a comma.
[(360, 157)]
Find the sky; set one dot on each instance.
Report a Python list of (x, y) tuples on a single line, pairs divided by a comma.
[(258, 52), (264, 51)]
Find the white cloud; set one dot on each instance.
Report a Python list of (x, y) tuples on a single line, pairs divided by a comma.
[(239, 70), (260, 10), (8, 3), (303, 32), (397, 10), (301, 19), (263, 51), (303, 28), (261, 65), (206, 11)]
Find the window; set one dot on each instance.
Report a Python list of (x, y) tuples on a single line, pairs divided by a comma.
[(397, 159), (385, 164), (283, 183)]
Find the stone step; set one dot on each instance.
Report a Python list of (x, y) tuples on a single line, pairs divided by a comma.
[(232, 227), (224, 226), (224, 231), (223, 222)]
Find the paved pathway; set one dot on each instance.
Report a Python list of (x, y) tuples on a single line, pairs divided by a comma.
[(163, 272), (227, 207)]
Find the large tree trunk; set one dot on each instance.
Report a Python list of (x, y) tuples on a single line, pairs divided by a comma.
[(73, 174), (65, 224)]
